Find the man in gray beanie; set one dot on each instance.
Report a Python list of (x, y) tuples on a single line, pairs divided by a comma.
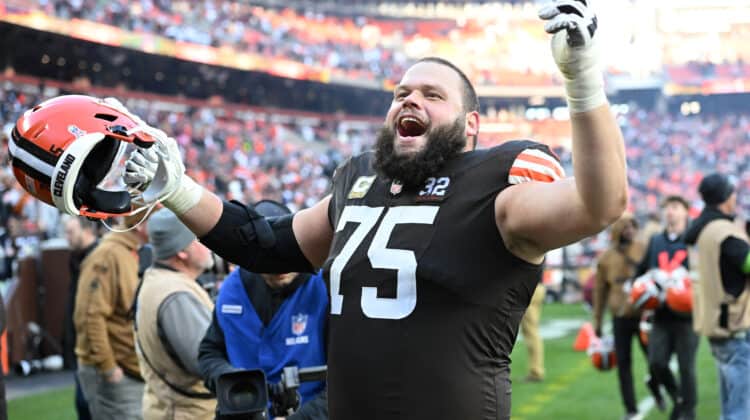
[(172, 314), (721, 310)]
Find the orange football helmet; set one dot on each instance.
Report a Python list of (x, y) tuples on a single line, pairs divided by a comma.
[(64, 148), (679, 296), (602, 353), (645, 294)]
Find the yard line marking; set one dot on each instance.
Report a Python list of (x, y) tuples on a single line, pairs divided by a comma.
[(644, 407), (552, 389), (648, 403)]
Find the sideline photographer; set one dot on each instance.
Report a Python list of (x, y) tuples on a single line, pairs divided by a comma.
[(269, 322)]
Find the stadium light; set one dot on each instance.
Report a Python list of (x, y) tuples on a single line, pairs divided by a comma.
[(695, 107)]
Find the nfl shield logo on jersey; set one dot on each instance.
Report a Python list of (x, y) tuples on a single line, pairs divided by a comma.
[(396, 187), (299, 323)]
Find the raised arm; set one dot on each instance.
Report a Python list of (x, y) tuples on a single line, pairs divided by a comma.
[(535, 217)]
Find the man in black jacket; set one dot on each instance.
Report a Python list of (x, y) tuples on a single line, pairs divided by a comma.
[(723, 315), (672, 332)]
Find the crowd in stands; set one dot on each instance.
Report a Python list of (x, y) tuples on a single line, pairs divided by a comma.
[(499, 43), (248, 155)]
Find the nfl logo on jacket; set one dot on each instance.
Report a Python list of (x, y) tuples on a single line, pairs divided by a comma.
[(299, 324)]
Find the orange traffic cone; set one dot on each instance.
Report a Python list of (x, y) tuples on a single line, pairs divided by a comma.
[(4, 352), (585, 334)]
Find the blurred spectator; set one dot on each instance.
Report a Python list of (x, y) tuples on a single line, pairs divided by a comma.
[(672, 332), (721, 310), (82, 235), (172, 315), (107, 363), (614, 274), (531, 336)]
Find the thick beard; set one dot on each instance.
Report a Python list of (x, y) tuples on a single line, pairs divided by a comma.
[(443, 144)]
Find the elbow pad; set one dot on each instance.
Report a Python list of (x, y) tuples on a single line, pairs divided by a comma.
[(256, 243)]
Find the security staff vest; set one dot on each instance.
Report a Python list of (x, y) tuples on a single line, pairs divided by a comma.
[(294, 337), (160, 399), (716, 313)]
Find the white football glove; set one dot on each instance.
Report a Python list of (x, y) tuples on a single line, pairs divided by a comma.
[(140, 168), (158, 172), (573, 25)]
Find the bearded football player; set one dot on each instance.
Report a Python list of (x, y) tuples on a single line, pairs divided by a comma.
[(431, 249)]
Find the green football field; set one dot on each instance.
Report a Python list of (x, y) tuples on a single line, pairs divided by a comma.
[(573, 388)]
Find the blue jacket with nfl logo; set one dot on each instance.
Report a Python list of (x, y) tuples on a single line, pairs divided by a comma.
[(294, 336)]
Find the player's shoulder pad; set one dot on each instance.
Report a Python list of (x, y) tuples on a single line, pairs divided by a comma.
[(530, 161), (353, 167), (356, 164)]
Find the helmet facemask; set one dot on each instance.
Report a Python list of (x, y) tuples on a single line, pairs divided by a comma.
[(87, 179)]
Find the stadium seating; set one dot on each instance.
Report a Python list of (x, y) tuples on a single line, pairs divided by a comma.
[(497, 43)]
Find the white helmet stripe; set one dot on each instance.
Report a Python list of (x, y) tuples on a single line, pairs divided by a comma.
[(29, 159), (67, 169)]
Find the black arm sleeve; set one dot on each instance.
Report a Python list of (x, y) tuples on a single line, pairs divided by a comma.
[(212, 355), (315, 409), (256, 243)]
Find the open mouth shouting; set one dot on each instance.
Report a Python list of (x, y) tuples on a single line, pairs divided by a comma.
[(410, 129)]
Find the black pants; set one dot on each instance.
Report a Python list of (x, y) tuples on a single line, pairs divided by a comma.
[(625, 329), (669, 337)]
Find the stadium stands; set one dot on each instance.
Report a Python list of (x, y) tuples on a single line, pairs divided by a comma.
[(252, 134), (249, 153), (370, 43)]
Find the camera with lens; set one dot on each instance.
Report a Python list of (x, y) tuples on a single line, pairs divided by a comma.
[(245, 394)]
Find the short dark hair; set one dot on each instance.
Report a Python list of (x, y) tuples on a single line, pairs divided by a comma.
[(470, 99), (675, 198)]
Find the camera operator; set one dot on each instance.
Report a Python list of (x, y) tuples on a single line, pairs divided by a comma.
[(268, 322)]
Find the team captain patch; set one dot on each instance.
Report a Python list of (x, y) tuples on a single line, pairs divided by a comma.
[(361, 186)]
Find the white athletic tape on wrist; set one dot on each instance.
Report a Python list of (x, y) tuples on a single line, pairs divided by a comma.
[(586, 91), (184, 197)]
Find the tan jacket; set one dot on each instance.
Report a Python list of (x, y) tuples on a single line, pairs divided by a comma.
[(709, 295), (615, 268), (160, 400), (106, 289)]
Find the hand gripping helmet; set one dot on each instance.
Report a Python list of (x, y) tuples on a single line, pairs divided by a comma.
[(602, 353), (64, 150)]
